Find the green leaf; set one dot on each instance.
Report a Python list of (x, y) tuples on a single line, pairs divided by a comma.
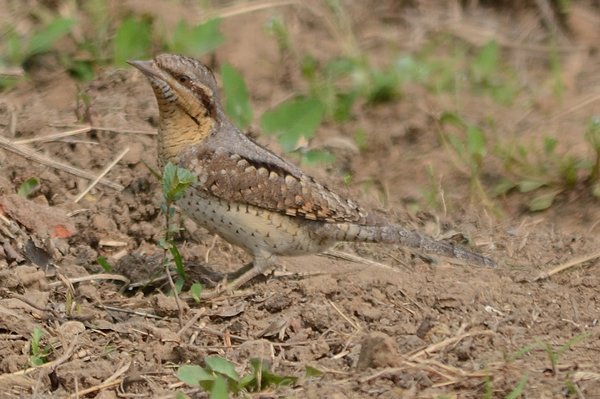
[(526, 186), (185, 177), (12, 48), (339, 67), (292, 120), (28, 187), (268, 378), (518, 389), (549, 145), (592, 133), (38, 355), (36, 336), (384, 86), (196, 40), (36, 360), (132, 40), (178, 261), (43, 40), (248, 382), (179, 282), (237, 99), (81, 70), (502, 187), (175, 181), (571, 342), (312, 372), (180, 38), (452, 119), (220, 389), (543, 201), (361, 139), (276, 28), (206, 37), (487, 61), (504, 93), (568, 170), (317, 157), (457, 144), (193, 375), (222, 366), (107, 267), (342, 107), (409, 69), (476, 142), (196, 291), (168, 179)]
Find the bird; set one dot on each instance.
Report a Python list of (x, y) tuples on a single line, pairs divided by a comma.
[(248, 195)]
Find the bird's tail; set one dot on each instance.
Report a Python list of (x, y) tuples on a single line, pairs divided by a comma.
[(395, 234)]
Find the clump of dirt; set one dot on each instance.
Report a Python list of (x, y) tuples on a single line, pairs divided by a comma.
[(385, 324)]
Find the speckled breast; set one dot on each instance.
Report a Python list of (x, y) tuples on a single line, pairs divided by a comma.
[(254, 229)]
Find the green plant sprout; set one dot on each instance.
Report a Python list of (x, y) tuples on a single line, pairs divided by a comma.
[(102, 41), (553, 356), (488, 74), (237, 99), (592, 136), (104, 264), (468, 142), (545, 173), (132, 40), (195, 40), (220, 379), (28, 187), (175, 181), (16, 49), (39, 355), (519, 388)]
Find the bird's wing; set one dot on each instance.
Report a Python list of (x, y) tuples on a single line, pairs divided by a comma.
[(266, 185)]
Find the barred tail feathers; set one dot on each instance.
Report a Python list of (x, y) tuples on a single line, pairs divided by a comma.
[(394, 234)]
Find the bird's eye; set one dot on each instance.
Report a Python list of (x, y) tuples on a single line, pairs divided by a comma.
[(183, 79)]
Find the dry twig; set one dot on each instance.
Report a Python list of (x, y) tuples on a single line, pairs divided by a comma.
[(34, 156), (92, 277), (573, 262), (102, 174), (52, 137)]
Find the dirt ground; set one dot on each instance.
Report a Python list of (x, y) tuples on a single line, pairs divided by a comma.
[(385, 324)]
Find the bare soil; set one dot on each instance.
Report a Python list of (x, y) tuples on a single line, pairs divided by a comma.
[(388, 324)]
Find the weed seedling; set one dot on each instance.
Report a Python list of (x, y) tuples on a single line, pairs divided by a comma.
[(220, 379), (175, 182), (39, 354), (469, 145), (293, 121), (555, 354), (197, 39), (237, 99), (28, 187), (104, 264), (592, 136), (547, 173), (132, 40)]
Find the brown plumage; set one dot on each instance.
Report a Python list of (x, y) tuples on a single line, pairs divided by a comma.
[(247, 194)]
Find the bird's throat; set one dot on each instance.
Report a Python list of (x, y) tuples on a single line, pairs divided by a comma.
[(178, 130)]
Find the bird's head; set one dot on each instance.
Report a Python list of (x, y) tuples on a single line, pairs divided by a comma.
[(186, 93)]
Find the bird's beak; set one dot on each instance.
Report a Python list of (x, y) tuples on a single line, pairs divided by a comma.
[(148, 68)]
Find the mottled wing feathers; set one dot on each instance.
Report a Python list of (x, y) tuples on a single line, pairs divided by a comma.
[(264, 185)]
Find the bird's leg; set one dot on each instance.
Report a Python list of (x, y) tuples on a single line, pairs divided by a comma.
[(261, 264)]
